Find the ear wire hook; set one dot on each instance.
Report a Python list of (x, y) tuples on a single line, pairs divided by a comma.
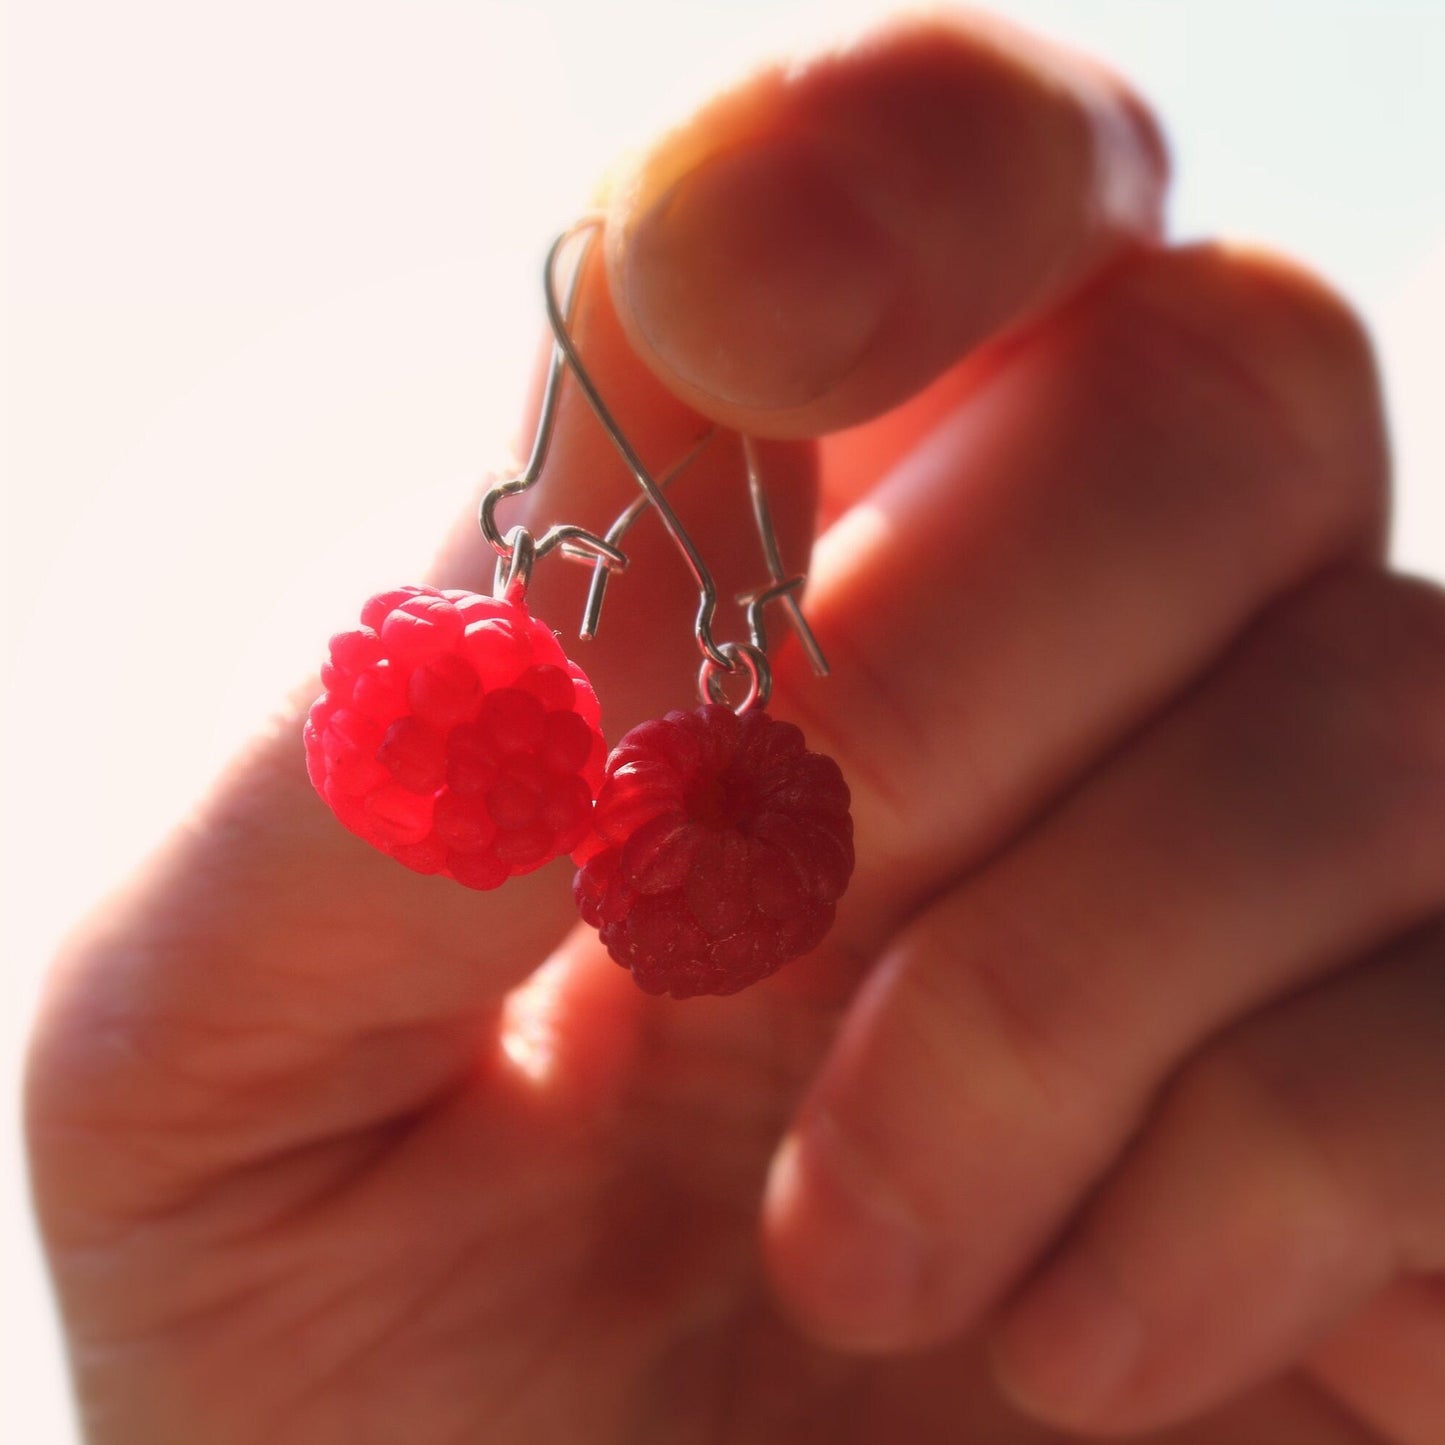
[(574, 541), (620, 528), (707, 589), (782, 588), (517, 551)]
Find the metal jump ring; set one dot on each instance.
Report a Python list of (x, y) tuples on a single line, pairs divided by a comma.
[(742, 657), (514, 567)]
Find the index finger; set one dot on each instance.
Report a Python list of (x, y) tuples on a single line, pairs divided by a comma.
[(818, 243)]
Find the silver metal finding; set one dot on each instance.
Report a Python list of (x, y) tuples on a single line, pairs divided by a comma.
[(783, 588), (514, 571), (620, 528), (745, 659), (518, 550)]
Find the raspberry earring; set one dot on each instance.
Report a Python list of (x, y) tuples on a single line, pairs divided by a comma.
[(456, 736), (719, 845), (719, 849)]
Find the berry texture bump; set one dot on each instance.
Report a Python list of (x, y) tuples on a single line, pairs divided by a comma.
[(456, 736), (719, 849)]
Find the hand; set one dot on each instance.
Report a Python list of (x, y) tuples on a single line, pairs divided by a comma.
[(1112, 1103)]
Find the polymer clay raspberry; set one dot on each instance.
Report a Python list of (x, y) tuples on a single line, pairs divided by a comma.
[(456, 736), (719, 849)]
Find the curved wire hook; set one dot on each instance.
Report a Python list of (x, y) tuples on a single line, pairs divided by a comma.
[(620, 528), (707, 588), (517, 550), (576, 542)]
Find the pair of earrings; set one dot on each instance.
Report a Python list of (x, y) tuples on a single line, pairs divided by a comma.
[(455, 735)]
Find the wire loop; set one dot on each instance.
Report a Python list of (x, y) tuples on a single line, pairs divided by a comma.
[(513, 573), (518, 550), (742, 659)]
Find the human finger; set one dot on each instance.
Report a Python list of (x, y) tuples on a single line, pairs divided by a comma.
[(1286, 817), (1017, 596), (815, 244), (1293, 1169), (1386, 1364)]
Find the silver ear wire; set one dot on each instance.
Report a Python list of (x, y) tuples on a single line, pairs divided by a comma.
[(620, 528), (781, 588), (517, 551)]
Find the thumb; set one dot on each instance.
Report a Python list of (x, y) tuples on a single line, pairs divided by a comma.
[(815, 245)]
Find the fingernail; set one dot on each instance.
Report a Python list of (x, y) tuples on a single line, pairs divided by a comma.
[(758, 278), (1131, 159), (1067, 1348), (856, 1258)]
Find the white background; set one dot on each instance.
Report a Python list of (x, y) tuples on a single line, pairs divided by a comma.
[(272, 297)]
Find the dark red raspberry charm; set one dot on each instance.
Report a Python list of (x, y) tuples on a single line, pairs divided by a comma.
[(455, 735), (719, 849)]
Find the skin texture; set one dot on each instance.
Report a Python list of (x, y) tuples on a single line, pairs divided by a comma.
[(1107, 1110)]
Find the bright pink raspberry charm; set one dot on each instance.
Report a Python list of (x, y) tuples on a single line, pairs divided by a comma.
[(455, 735), (719, 849)]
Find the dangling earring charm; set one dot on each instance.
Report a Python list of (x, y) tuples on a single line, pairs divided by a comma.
[(719, 849), (456, 736)]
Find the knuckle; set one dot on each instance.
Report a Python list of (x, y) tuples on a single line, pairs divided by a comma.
[(997, 979), (1348, 699), (1377, 641), (1401, 652), (1274, 376), (1239, 1077)]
